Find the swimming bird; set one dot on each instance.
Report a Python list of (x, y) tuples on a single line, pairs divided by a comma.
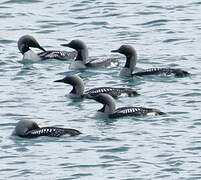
[(109, 108), (131, 59), (30, 129), (82, 62), (27, 41), (78, 88)]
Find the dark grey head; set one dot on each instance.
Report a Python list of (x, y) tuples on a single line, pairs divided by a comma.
[(104, 98), (76, 82), (81, 48), (27, 41), (108, 103), (71, 79), (76, 44), (127, 50), (131, 58), (23, 127)]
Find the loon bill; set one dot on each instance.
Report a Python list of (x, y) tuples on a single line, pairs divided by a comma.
[(26, 42), (109, 108), (81, 60), (30, 129), (78, 88), (131, 60)]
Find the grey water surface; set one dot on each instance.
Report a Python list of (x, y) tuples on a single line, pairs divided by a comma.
[(164, 33)]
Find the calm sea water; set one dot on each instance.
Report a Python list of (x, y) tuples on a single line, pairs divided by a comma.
[(165, 34)]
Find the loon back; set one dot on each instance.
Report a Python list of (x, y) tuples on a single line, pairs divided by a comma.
[(114, 92), (95, 63), (162, 71), (51, 131), (135, 111), (60, 55)]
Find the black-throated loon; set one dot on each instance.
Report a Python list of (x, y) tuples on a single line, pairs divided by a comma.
[(78, 88), (30, 129), (82, 62), (131, 59), (109, 108), (27, 41)]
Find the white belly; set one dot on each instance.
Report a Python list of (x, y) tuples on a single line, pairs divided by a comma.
[(77, 65), (31, 56), (101, 115), (72, 95), (125, 72)]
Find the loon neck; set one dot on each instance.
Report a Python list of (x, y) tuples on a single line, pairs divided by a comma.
[(82, 55), (78, 90), (129, 66), (24, 49), (131, 61), (108, 108)]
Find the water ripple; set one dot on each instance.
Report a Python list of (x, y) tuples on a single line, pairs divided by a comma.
[(21, 1), (158, 22), (164, 34)]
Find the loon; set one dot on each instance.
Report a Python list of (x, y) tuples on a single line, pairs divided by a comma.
[(131, 59), (81, 61), (109, 108), (27, 41), (78, 88), (30, 129)]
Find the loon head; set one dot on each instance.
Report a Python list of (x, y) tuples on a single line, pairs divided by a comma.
[(23, 127), (76, 82), (81, 48), (27, 41), (108, 103), (131, 58)]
